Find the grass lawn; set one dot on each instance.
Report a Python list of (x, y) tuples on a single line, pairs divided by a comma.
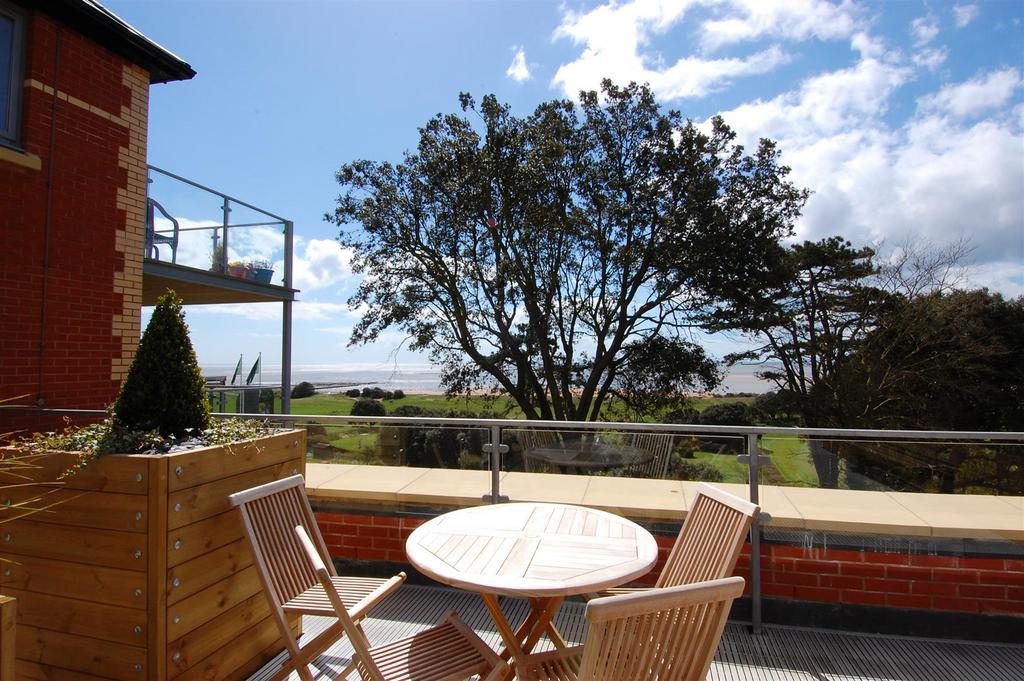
[(341, 405), (791, 456), (733, 470)]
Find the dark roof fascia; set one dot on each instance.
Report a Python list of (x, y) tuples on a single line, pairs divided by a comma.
[(97, 22)]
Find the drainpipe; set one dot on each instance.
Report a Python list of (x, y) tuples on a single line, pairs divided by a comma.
[(48, 221)]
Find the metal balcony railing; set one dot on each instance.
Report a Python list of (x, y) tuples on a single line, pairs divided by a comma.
[(191, 225)]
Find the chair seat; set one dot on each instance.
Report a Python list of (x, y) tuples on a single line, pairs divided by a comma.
[(554, 665), (449, 650), (314, 600)]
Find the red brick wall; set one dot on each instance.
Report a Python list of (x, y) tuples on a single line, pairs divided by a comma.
[(951, 583), (82, 87), (896, 580), (366, 537)]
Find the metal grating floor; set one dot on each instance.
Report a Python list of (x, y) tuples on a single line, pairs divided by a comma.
[(777, 654)]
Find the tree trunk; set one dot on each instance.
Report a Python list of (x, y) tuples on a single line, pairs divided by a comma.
[(826, 465)]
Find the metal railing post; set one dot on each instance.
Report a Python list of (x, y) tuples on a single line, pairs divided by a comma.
[(289, 247), (286, 357), (754, 465), (225, 213), (495, 448)]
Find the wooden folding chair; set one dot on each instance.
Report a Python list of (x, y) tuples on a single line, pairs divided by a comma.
[(529, 440), (448, 651), (270, 514), (709, 542), (659, 635), (658, 443)]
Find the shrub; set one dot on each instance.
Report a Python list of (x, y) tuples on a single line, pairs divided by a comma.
[(388, 395), (399, 394), (368, 407), (304, 389), (774, 408), (688, 469), (684, 415), (164, 390), (376, 393), (353, 393), (728, 414), (408, 410)]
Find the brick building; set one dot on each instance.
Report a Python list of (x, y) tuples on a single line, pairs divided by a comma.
[(72, 197), (75, 264)]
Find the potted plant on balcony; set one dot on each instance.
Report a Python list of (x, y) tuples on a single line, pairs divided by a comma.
[(238, 268), (217, 259), (142, 571), (262, 270)]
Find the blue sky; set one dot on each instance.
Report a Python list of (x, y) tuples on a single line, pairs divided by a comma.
[(904, 118)]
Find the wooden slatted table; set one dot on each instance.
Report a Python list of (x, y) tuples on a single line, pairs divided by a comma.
[(541, 552)]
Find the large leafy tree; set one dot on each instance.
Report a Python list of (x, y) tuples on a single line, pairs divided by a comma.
[(532, 254), (806, 322), (939, 361), (812, 316)]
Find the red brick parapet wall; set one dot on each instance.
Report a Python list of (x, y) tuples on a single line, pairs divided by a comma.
[(854, 577)]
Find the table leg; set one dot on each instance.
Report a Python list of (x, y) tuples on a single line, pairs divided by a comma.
[(521, 641)]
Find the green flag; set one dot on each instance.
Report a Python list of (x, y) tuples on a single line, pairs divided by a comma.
[(238, 370), (255, 368)]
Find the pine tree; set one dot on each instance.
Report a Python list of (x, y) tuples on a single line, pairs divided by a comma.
[(164, 390)]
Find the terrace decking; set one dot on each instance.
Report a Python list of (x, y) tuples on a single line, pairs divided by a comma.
[(777, 654)]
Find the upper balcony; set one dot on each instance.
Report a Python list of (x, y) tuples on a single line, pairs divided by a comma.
[(213, 248)]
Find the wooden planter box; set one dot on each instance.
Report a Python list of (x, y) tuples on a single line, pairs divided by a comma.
[(142, 572)]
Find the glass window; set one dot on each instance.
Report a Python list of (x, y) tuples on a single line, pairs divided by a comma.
[(11, 28)]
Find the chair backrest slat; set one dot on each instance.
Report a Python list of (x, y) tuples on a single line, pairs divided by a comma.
[(664, 634), (710, 540), (270, 514)]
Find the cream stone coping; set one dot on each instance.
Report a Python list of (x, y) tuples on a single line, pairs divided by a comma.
[(895, 513), (447, 488), (950, 515), (20, 158)]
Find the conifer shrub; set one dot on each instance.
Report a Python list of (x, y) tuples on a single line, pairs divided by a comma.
[(164, 390)]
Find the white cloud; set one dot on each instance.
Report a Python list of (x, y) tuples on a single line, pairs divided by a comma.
[(965, 14), (980, 94), (924, 30), (518, 70), (931, 58), (259, 312), (936, 175), (825, 105), (794, 20), (613, 37), (322, 263)]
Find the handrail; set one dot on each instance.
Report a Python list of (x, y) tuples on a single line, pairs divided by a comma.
[(214, 191), (522, 424)]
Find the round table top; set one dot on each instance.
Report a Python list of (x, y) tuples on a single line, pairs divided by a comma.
[(532, 549)]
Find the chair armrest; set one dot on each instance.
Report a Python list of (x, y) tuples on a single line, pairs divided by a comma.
[(617, 591), (360, 609), (376, 597)]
